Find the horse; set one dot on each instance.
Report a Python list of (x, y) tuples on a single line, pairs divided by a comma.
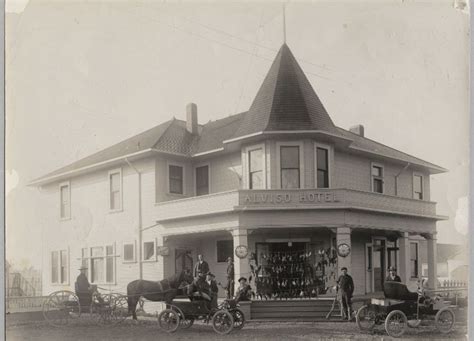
[(161, 291)]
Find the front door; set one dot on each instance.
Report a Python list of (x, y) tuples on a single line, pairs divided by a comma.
[(378, 263)]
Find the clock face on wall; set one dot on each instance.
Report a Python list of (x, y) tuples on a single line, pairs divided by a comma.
[(343, 250), (241, 251)]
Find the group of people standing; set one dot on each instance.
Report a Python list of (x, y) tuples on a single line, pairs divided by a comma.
[(205, 281)]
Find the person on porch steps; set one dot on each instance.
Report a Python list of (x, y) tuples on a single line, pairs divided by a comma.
[(201, 267)]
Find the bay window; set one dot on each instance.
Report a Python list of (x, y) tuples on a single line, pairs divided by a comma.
[(290, 167)]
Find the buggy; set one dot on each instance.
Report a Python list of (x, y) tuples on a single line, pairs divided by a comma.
[(62, 307), (401, 309)]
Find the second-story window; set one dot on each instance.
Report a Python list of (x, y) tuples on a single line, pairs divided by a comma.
[(377, 179), (322, 162), (202, 180), (65, 204), (256, 169), (290, 167), (418, 187), (115, 190), (176, 179)]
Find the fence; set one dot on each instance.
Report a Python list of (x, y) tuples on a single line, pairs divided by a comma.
[(448, 284), (24, 303)]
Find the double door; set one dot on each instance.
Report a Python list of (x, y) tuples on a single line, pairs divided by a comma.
[(379, 256)]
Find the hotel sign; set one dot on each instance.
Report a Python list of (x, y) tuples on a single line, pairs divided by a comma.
[(288, 198)]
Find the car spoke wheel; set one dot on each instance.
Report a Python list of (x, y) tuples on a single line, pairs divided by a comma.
[(239, 318), (396, 323), (222, 322), (60, 307), (168, 320), (365, 318), (445, 320)]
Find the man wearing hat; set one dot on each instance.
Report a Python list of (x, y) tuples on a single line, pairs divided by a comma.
[(346, 285), (230, 277), (243, 291), (83, 288), (213, 288), (392, 275)]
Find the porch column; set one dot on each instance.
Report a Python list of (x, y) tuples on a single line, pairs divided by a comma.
[(404, 256), (241, 265), (343, 235), (432, 261)]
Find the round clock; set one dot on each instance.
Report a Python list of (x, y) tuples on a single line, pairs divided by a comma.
[(241, 251), (343, 250)]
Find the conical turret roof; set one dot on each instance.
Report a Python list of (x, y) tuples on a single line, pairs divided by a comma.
[(285, 101)]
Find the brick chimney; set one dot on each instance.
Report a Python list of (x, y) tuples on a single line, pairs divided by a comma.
[(192, 119), (357, 129)]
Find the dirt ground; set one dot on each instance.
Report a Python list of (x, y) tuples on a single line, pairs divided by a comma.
[(149, 330)]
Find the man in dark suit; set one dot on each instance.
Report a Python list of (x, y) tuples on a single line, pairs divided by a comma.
[(213, 288), (392, 275), (83, 288), (201, 267), (346, 286)]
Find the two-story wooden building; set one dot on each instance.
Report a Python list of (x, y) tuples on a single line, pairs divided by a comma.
[(297, 196)]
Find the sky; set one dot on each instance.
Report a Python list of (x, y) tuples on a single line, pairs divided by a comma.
[(81, 76)]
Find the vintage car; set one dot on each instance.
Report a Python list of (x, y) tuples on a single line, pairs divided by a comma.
[(401, 308)]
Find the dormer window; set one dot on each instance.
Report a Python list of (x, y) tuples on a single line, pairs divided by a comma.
[(418, 186), (115, 190), (290, 167), (175, 179), (256, 169), (64, 201), (377, 178)]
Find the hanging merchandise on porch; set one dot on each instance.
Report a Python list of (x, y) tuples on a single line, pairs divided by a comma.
[(294, 274)]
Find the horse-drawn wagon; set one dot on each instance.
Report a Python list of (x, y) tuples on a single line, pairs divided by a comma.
[(64, 306), (401, 309)]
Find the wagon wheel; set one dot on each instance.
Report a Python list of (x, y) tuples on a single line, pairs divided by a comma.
[(168, 320), (222, 322), (118, 308), (445, 320), (365, 318), (239, 318), (60, 307), (396, 323)]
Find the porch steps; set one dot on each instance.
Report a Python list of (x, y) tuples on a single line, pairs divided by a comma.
[(301, 310)]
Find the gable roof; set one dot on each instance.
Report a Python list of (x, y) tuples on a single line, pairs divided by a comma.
[(285, 101)]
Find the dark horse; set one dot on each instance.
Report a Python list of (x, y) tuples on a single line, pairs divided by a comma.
[(161, 291)]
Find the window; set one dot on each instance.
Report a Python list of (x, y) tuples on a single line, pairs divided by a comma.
[(225, 250), (377, 179), (418, 187), (65, 204), (256, 169), (102, 263), (129, 252), (202, 180), (290, 167), (115, 188), (176, 179), (59, 267), (322, 167), (414, 260), (149, 253)]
